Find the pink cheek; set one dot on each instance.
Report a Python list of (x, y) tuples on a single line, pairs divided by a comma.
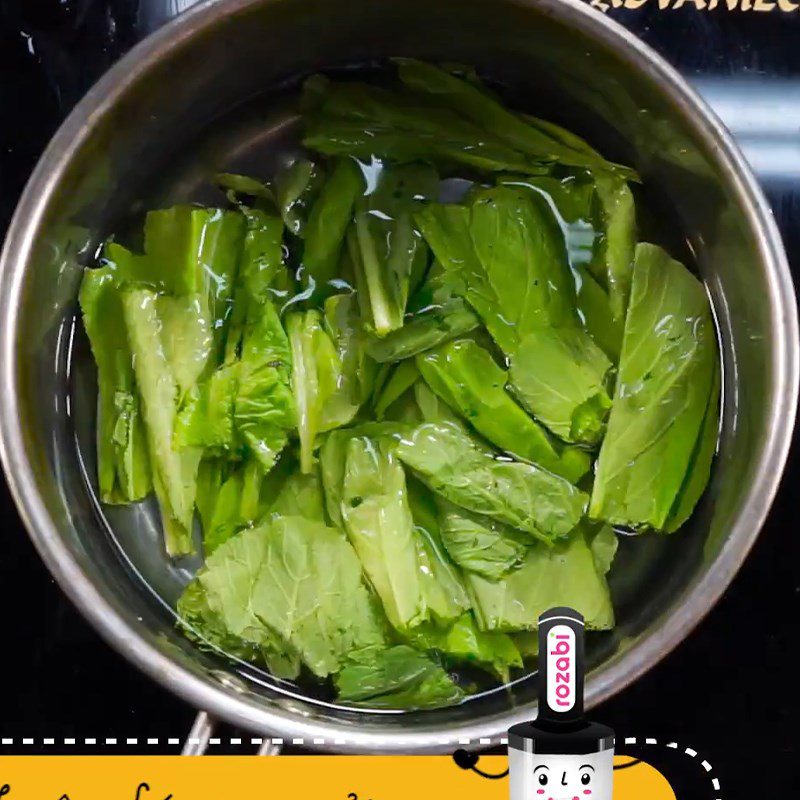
[(587, 791), (540, 791)]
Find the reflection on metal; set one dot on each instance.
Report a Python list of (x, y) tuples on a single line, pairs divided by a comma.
[(200, 737), (269, 749), (764, 115), (153, 14), (196, 743)]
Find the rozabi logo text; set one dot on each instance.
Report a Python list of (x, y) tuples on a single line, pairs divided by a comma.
[(785, 6), (561, 668)]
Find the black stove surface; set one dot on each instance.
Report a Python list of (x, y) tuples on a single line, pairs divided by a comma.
[(727, 691)]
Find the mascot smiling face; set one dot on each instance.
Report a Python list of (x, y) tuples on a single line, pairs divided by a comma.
[(561, 777)]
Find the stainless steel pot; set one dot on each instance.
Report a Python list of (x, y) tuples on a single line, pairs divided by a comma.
[(175, 102)]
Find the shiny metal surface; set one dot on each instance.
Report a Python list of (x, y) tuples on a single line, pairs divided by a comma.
[(559, 58), (197, 741)]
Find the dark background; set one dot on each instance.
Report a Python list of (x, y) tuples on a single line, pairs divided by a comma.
[(728, 691)]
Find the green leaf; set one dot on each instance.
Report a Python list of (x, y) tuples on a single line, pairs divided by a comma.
[(195, 251), (391, 256), (332, 458), (256, 372), (404, 376), (296, 188), (666, 373), (480, 544), (445, 594), (241, 187), (517, 245), (700, 464), (226, 518), (512, 266), (469, 380), (400, 677), (211, 474), (301, 496), (572, 200), (527, 643), (604, 547), (464, 642), (424, 331), (564, 575), (248, 399), (184, 314), (327, 224), (612, 263), (560, 376), (186, 336), (233, 499), (524, 496), (507, 251), (510, 222), (343, 325), (321, 400), (529, 136), (594, 307), (253, 502), (207, 628), (123, 469), (296, 581), (174, 471), (205, 417), (332, 461), (264, 411), (442, 288), (377, 518), (353, 119), (432, 409), (262, 273)]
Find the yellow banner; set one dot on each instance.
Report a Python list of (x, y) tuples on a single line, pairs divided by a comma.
[(300, 777)]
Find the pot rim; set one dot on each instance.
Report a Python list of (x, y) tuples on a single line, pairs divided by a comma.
[(227, 704)]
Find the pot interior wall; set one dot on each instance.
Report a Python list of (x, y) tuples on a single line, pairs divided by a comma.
[(216, 99)]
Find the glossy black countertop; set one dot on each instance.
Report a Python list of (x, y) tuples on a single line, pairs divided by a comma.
[(728, 692)]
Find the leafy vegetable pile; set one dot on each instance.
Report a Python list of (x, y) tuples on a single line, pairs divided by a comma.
[(407, 426)]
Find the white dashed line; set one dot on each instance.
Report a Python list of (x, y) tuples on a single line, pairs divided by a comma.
[(689, 752), (258, 741)]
